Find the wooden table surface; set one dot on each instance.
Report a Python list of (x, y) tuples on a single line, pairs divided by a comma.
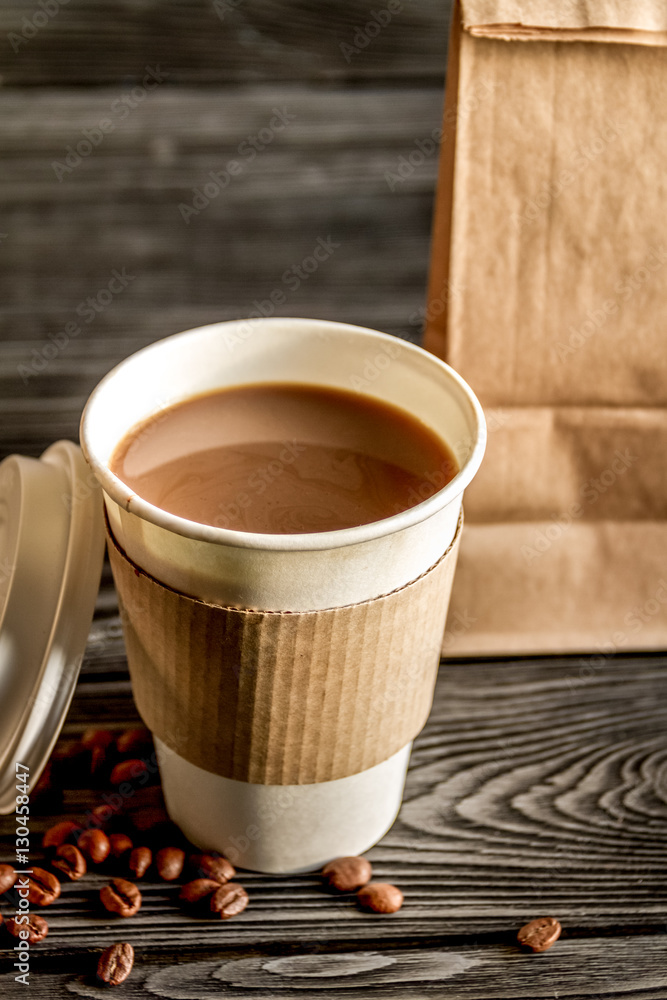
[(538, 787), (533, 790)]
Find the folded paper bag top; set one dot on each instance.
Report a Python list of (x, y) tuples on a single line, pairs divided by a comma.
[(284, 676), (642, 22)]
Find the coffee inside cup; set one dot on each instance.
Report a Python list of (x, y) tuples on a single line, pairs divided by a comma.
[(283, 458)]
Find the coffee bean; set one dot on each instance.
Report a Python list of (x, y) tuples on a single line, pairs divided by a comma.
[(380, 897), (152, 819), (140, 861), (169, 862), (119, 844), (101, 815), (210, 866), (121, 897), (96, 738), (134, 741), (96, 743), (148, 796), (95, 845), (128, 771), (43, 887), (36, 927), (115, 964), (66, 750), (228, 900), (194, 892), (70, 861), (539, 934), (61, 833), (347, 874), (7, 878)]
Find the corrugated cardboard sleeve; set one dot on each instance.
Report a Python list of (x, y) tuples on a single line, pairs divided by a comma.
[(284, 698)]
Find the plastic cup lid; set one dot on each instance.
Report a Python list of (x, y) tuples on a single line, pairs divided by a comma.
[(51, 554)]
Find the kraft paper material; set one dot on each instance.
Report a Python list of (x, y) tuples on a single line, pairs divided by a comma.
[(283, 698), (639, 22), (547, 293)]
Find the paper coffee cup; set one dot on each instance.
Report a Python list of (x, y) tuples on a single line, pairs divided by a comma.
[(267, 806)]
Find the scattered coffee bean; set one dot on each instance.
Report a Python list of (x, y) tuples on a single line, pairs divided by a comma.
[(66, 750), (115, 964), (228, 900), (347, 874), (70, 861), (145, 797), (96, 738), (133, 741), (539, 934), (101, 815), (380, 897), (61, 833), (95, 743), (210, 866), (169, 862), (36, 927), (150, 819), (140, 861), (128, 771), (7, 878), (121, 897), (119, 843), (43, 887), (201, 888), (95, 845)]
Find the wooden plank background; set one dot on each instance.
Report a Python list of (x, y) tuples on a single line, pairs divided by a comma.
[(225, 70)]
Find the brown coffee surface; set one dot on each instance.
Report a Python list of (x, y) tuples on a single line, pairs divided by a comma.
[(283, 458)]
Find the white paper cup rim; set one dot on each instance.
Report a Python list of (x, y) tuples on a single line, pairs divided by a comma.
[(126, 498)]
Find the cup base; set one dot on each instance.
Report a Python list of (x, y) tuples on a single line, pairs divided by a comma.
[(282, 829)]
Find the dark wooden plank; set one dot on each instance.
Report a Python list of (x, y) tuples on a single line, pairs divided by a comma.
[(213, 41), (628, 967), (324, 178), (537, 786)]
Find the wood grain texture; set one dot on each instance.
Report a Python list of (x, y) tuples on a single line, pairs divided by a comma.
[(214, 41), (323, 177), (630, 968), (536, 787)]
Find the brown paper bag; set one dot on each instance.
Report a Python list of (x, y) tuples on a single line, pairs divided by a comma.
[(548, 293)]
